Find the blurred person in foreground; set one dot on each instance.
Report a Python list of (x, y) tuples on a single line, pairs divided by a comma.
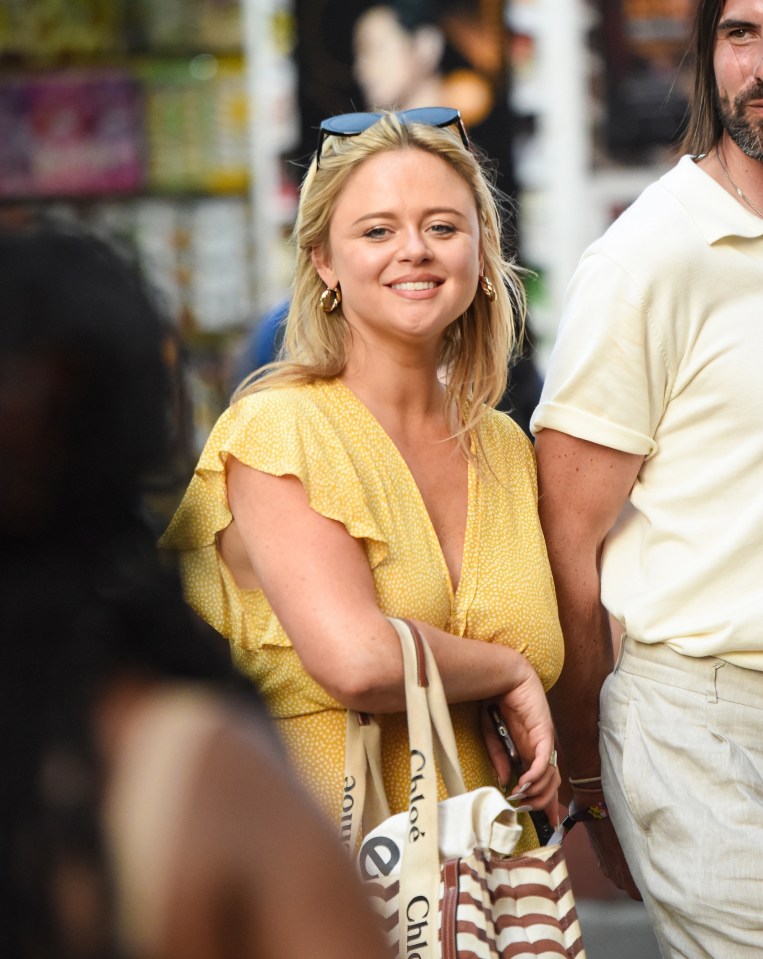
[(650, 455), (145, 811), (367, 476)]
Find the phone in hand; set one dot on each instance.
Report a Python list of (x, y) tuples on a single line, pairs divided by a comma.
[(543, 827)]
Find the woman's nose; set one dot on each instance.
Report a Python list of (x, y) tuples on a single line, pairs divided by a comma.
[(414, 246)]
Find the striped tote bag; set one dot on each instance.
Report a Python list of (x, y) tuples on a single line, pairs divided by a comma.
[(441, 875)]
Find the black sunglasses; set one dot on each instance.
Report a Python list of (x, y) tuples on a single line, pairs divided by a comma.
[(353, 124)]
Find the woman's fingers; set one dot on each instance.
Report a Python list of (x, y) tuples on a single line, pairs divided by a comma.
[(542, 782), (527, 715), (495, 749), (542, 768)]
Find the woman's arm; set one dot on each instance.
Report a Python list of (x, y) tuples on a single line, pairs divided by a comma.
[(317, 579)]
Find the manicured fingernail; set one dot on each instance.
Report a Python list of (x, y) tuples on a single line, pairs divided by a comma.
[(524, 808), (520, 792)]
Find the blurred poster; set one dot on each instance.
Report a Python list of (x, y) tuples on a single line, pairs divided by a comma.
[(70, 134), (645, 45), (355, 55)]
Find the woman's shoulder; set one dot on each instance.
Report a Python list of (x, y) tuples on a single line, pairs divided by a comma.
[(283, 410), (499, 431), (284, 399), (507, 451)]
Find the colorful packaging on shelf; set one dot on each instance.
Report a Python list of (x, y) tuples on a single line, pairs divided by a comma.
[(47, 29), (69, 134), (196, 121)]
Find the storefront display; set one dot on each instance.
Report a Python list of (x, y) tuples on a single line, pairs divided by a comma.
[(131, 118), (165, 125)]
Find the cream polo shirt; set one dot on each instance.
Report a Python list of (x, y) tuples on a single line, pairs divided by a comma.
[(660, 352)]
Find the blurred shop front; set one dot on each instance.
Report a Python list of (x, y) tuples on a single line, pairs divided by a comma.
[(182, 129)]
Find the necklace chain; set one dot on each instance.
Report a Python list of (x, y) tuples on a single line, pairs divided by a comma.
[(728, 177)]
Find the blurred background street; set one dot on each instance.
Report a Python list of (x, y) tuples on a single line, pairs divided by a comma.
[(181, 129)]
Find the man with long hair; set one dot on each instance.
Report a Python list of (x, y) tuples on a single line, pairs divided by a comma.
[(650, 454)]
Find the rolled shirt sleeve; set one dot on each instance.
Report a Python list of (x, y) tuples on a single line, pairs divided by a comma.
[(608, 380)]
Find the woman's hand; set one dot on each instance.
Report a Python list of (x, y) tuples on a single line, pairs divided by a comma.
[(525, 711)]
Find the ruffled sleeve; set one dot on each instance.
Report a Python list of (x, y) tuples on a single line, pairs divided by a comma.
[(296, 431)]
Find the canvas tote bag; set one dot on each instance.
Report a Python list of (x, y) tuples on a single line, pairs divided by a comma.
[(441, 875)]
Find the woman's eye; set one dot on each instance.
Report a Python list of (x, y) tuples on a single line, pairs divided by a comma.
[(376, 232), (443, 228)]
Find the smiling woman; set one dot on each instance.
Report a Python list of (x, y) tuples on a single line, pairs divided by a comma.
[(408, 264), (365, 475)]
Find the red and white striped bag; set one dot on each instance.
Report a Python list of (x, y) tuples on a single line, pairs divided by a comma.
[(441, 875)]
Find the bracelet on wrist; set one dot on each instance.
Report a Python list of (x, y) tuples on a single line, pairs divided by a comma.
[(589, 780), (588, 790)]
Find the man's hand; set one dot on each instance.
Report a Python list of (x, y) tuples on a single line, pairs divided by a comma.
[(609, 854)]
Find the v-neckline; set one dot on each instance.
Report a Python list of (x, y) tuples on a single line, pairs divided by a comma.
[(470, 487)]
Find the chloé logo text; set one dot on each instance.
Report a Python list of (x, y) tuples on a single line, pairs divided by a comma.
[(418, 774)]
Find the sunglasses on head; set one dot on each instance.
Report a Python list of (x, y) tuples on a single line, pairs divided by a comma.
[(353, 124)]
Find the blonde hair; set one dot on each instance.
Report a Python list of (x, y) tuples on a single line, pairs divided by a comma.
[(478, 344)]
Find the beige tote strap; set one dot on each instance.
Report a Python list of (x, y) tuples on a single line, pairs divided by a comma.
[(363, 802), (427, 711), (420, 869), (446, 750)]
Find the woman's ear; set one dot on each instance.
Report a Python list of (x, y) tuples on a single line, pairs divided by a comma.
[(324, 268)]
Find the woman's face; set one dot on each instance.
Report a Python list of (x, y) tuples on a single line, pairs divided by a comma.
[(404, 245)]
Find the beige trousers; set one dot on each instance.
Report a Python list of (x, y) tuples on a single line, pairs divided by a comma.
[(682, 764)]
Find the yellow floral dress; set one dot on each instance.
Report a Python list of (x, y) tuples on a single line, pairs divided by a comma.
[(353, 473)]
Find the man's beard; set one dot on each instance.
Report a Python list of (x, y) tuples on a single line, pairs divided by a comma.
[(746, 133)]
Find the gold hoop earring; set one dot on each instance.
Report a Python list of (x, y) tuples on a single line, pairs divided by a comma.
[(330, 299), (487, 288)]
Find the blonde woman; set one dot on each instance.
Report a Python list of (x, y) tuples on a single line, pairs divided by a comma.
[(365, 475)]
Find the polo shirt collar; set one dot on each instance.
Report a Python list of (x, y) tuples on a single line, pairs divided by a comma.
[(715, 212)]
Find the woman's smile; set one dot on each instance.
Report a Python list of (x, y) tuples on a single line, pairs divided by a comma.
[(422, 285)]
